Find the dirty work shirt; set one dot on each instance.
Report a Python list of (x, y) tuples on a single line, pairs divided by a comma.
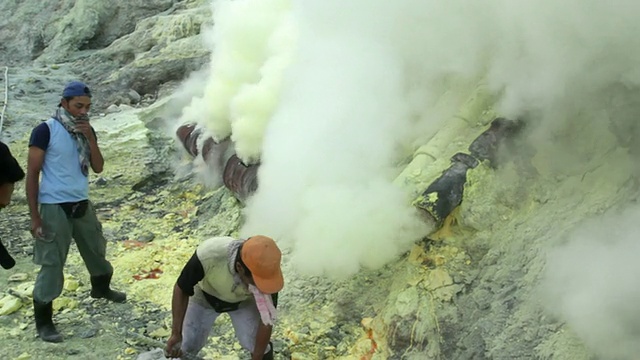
[(209, 276), (62, 179)]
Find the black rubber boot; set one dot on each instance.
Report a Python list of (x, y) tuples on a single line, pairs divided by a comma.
[(44, 323), (269, 355), (100, 289)]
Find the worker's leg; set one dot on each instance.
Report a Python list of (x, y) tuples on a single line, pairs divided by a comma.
[(196, 327), (92, 246), (245, 322), (87, 232), (50, 252)]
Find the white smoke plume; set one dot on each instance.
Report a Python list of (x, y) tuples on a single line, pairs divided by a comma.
[(325, 93), (325, 183), (591, 283), (250, 41)]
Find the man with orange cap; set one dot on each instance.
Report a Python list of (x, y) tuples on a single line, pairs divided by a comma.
[(225, 275)]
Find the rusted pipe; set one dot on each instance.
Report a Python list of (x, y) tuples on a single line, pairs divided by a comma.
[(217, 154), (212, 152), (188, 135), (221, 158), (446, 192), (501, 132), (438, 200), (240, 178)]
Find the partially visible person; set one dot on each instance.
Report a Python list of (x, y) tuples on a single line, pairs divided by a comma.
[(10, 173), (63, 149), (226, 275)]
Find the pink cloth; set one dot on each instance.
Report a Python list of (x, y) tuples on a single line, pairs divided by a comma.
[(265, 306)]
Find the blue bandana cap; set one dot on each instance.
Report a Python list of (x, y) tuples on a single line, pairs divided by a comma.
[(76, 88)]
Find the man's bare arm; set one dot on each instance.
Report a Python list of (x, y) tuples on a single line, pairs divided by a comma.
[(96, 160), (34, 166), (179, 304), (262, 341)]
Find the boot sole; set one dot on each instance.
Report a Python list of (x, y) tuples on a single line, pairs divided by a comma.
[(112, 300), (53, 341)]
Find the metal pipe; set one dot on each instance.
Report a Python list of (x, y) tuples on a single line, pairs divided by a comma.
[(502, 132), (188, 135), (240, 178), (220, 156), (216, 154), (438, 201), (446, 192)]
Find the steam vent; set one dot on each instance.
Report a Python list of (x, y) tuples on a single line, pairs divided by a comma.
[(441, 181)]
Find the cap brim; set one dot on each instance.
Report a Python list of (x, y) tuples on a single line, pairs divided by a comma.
[(271, 285)]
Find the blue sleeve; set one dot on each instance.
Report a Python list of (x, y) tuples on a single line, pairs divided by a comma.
[(40, 136)]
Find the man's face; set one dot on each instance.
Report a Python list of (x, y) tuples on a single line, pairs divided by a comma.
[(6, 190), (246, 278), (78, 106)]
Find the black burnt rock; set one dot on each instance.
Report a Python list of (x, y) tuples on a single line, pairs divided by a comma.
[(502, 132)]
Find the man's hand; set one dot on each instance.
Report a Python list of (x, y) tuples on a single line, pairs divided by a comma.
[(263, 335), (36, 228), (96, 160), (179, 303), (84, 128), (172, 350)]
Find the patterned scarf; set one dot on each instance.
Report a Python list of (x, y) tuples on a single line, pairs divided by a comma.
[(264, 302), (265, 306), (69, 122)]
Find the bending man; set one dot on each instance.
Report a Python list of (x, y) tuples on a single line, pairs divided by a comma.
[(225, 275)]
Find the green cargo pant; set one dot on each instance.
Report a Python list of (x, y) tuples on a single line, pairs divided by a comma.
[(50, 251)]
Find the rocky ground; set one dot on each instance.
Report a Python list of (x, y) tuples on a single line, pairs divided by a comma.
[(153, 220), (154, 213), (451, 299), (469, 296)]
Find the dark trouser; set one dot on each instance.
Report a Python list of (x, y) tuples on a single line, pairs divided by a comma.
[(51, 250), (6, 260)]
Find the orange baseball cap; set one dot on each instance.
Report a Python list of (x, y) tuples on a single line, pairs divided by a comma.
[(262, 256)]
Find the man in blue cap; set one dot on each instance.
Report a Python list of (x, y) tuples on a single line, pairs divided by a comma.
[(62, 149)]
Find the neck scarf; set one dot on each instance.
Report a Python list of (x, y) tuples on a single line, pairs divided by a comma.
[(264, 302), (265, 306), (69, 122)]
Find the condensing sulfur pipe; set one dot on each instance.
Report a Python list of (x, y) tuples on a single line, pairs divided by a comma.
[(439, 201), (444, 195), (236, 176)]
